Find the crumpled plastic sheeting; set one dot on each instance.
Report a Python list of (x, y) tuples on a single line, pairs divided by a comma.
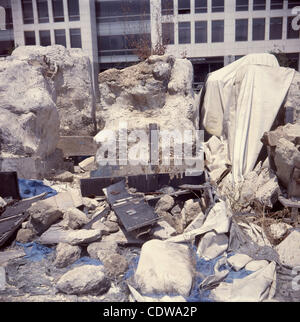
[(258, 286), (86, 261), (218, 220), (31, 188), (34, 251)]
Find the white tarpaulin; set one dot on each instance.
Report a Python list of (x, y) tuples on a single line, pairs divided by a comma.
[(241, 103)]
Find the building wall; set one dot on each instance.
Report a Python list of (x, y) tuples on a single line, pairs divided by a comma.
[(229, 47), (6, 28)]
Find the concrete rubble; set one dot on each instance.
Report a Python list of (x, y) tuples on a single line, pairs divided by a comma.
[(209, 238)]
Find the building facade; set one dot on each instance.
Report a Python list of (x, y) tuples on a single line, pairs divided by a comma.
[(211, 33)]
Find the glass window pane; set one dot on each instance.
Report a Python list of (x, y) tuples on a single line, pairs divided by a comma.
[(184, 7), (276, 4), (168, 33), (184, 32), (200, 6), (167, 7), (73, 9), (259, 4), (27, 11), (58, 10), (45, 39), (29, 38), (275, 28), (200, 32), (293, 3), (60, 37), (291, 33), (217, 30), (258, 29), (75, 37), (42, 8), (242, 5), (217, 6), (241, 30)]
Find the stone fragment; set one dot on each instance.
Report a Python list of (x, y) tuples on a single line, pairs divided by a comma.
[(65, 176), (165, 203), (289, 250), (74, 219), (256, 265), (25, 235), (114, 263), (66, 255), (105, 247), (163, 230)]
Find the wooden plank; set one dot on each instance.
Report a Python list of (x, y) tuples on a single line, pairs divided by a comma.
[(77, 145)]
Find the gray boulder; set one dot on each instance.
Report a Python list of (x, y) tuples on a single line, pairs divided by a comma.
[(66, 255), (86, 279), (74, 218)]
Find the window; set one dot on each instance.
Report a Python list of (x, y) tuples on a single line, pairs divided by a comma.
[(6, 47), (167, 7), (42, 9), (60, 37), (8, 21), (58, 10), (45, 39), (27, 11), (291, 33), (184, 32), (217, 6), (200, 6), (29, 38), (275, 28), (241, 30), (184, 7), (258, 29), (73, 8), (168, 33), (217, 34), (75, 37), (200, 32), (242, 5), (276, 4), (293, 3), (259, 4)]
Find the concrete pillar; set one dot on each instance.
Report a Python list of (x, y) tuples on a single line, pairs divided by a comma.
[(155, 21)]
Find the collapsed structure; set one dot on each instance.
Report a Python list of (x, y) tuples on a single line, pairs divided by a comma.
[(144, 233)]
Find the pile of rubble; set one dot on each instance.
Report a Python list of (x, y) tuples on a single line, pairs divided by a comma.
[(96, 234)]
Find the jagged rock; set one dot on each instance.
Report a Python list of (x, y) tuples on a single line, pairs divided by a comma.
[(112, 227), (100, 226), (55, 235), (114, 264), (238, 261), (2, 203), (156, 91), (105, 247), (112, 217), (164, 268), (165, 203), (65, 176), (68, 73), (86, 279), (29, 118), (74, 219), (176, 210), (179, 223), (279, 230), (91, 204), (163, 230), (43, 214), (25, 235), (190, 211), (289, 250), (66, 255)]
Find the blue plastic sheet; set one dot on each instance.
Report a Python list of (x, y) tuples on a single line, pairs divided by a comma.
[(31, 188), (86, 261), (35, 252)]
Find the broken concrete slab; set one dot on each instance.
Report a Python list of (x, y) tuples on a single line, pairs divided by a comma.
[(55, 235), (7, 255), (289, 249), (64, 176), (196, 223), (66, 255), (88, 164), (85, 279), (164, 268)]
